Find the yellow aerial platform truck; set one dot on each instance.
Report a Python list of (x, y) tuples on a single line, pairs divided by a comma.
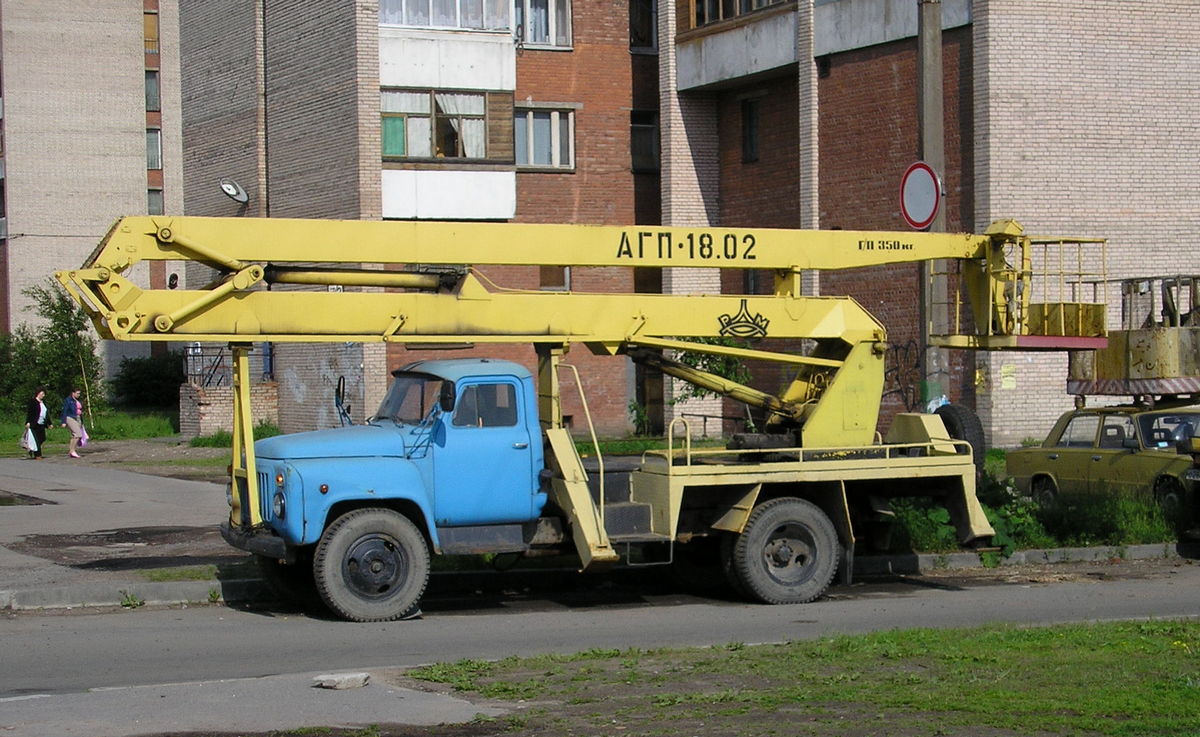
[(471, 455)]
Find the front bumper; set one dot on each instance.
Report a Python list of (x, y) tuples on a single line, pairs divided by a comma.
[(259, 540)]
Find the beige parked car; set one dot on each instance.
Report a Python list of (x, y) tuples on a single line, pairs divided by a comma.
[(1112, 449)]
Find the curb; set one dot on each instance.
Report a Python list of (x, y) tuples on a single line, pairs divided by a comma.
[(921, 562), (117, 594)]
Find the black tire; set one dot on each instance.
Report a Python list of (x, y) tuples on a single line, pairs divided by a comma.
[(1044, 492), (788, 552), (372, 565), (290, 582), (1172, 500), (963, 424)]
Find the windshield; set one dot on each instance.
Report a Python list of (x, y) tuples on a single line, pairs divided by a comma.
[(410, 398), (1164, 431)]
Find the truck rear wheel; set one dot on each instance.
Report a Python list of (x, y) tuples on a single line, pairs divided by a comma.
[(372, 565), (787, 553)]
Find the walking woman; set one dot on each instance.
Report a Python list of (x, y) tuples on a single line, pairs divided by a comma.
[(72, 417), (35, 420)]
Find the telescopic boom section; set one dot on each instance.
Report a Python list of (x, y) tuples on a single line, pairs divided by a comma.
[(399, 300)]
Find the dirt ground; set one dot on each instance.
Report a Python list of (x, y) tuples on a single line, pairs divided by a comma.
[(169, 457)]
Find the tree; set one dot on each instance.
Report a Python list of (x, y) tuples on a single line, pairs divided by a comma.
[(59, 353)]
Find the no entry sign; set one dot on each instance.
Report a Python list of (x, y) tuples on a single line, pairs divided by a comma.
[(920, 195)]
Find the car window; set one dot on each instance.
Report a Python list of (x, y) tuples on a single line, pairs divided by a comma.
[(1164, 431), (486, 405), (1080, 432), (1116, 428)]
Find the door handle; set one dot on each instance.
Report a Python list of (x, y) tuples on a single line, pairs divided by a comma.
[(1053, 456), (520, 446), (1096, 458)]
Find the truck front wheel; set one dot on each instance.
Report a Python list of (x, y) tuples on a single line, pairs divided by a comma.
[(787, 553), (372, 565)]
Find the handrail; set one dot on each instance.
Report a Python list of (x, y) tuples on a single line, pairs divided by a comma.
[(886, 451), (592, 432)]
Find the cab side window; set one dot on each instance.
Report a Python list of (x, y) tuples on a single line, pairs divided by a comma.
[(486, 405), (1080, 432)]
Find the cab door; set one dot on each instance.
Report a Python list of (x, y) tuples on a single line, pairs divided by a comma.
[(483, 457)]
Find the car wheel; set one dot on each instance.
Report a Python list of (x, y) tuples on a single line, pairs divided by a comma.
[(1169, 494), (787, 553), (372, 565), (963, 424), (1044, 492)]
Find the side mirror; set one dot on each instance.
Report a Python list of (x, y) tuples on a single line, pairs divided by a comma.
[(446, 397), (1130, 443)]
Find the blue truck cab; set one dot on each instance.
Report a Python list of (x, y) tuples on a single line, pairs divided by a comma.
[(451, 462)]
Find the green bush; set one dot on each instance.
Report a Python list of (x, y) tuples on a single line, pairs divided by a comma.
[(150, 382), (921, 526)]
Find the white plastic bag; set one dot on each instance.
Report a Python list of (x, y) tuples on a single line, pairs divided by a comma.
[(28, 442)]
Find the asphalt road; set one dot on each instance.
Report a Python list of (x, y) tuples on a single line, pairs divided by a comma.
[(63, 653)]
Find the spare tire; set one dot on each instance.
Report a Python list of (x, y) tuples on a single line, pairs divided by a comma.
[(963, 424)]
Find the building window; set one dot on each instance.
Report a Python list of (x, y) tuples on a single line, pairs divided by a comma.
[(153, 148), (715, 11), (643, 25), (152, 98), (150, 32), (485, 15), (750, 120), (434, 124), (544, 138), (643, 140), (543, 22), (154, 202)]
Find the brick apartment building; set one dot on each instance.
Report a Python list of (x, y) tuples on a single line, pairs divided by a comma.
[(411, 109), (86, 137), (1076, 118)]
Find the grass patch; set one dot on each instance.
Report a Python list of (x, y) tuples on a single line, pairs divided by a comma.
[(185, 573), (110, 425), (218, 462), (1109, 518), (1127, 679), (224, 439)]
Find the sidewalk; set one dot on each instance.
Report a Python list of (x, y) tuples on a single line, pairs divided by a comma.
[(90, 532)]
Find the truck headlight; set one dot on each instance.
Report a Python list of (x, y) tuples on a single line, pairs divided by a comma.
[(278, 505)]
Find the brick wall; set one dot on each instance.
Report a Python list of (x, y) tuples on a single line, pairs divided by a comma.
[(1087, 123), (868, 136), (206, 410)]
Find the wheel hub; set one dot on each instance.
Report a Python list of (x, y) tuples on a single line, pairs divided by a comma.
[(789, 554), (374, 566)]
